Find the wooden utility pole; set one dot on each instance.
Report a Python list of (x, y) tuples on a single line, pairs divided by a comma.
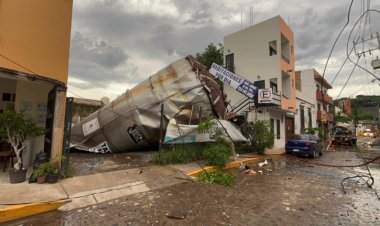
[(58, 124)]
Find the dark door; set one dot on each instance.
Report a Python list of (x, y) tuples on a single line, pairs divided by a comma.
[(67, 131), (49, 120), (289, 128)]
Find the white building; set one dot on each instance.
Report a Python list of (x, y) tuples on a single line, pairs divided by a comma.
[(264, 54), (313, 102)]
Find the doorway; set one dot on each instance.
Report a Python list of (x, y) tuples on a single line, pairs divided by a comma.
[(289, 128)]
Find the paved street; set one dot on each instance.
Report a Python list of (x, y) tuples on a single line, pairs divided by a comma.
[(291, 192)]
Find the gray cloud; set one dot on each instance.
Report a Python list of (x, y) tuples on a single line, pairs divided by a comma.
[(98, 62), (112, 38)]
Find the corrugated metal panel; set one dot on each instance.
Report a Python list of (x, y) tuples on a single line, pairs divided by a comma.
[(132, 121)]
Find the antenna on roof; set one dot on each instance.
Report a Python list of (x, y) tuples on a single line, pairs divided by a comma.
[(241, 20)]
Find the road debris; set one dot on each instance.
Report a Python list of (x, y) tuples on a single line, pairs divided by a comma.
[(250, 172), (176, 214), (263, 163)]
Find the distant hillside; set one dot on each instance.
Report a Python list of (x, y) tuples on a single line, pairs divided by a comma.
[(361, 101)]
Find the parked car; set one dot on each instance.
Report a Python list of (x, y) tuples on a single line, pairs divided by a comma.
[(304, 144), (344, 137), (369, 133)]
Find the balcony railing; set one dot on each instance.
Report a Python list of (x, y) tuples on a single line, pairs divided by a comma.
[(285, 59), (324, 116), (327, 99)]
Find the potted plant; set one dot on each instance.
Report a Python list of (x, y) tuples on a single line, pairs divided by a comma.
[(53, 175), (17, 129), (41, 175)]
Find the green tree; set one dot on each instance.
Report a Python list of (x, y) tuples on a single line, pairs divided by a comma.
[(212, 54), (17, 129), (262, 136)]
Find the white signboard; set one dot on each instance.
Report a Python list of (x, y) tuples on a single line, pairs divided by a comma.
[(90, 126), (235, 81), (265, 96), (100, 148)]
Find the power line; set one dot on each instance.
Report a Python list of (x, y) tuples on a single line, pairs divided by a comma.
[(336, 40), (344, 62), (18, 64), (353, 69), (349, 37)]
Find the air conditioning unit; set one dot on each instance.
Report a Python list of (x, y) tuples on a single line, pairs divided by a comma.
[(375, 64)]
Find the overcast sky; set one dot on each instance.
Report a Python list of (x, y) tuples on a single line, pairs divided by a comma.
[(116, 44)]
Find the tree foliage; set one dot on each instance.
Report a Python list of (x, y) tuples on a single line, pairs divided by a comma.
[(17, 129), (262, 136), (212, 54)]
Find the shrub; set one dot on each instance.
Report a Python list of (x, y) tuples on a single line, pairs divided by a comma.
[(218, 177), (262, 136), (217, 154), (242, 148), (178, 153)]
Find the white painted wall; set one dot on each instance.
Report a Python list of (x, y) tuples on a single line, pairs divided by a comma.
[(302, 100), (266, 115), (250, 47), (32, 93), (253, 62)]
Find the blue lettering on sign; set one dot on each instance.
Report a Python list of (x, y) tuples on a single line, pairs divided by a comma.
[(247, 89)]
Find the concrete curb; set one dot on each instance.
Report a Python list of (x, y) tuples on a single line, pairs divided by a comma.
[(19, 211), (229, 165)]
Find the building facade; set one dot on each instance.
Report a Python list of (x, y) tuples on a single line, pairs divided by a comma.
[(312, 94), (264, 55), (34, 58)]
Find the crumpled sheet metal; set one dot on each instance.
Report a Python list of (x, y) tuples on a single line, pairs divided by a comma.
[(132, 121)]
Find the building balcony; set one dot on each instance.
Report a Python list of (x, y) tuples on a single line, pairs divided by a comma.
[(327, 99), (274, 100), (285, 59), (324, 116)]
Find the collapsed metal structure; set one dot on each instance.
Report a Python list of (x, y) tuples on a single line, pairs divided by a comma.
[(132, 121)]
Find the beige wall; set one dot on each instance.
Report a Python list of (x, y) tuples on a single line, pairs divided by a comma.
[(36, 35), (31, 94)]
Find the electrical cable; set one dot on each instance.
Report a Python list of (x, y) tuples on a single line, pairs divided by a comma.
[(337, 166), (336, 40), (341, 67), (349, 77), (1, 55), (349, 37)]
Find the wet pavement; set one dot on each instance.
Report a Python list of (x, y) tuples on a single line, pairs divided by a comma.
[(291, 191), (85, 163)]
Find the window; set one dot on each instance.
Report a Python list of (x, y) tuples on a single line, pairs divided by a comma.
[(302, 118), (318, 87), (319, 107), (278, 129), (273, 48), (309, 115), (7, 97), (274, 87), (230, 62), (260, 84), (272, 126)]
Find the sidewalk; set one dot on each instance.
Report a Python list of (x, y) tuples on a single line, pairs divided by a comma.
[(93, 189)]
